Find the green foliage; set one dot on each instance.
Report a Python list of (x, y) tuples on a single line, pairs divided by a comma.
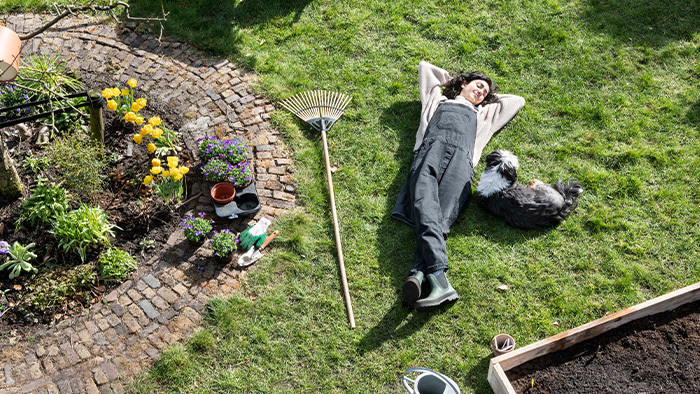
[(166, 143), (46, 202), (48, 76), (35, 163), (223, 242), (169, 189), (82, 228), (11, 95), (57, 288), (18, 259), (4, 304), (78, 163), (116, 264)]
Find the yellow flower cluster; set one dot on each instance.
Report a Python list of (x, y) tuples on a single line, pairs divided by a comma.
[(148, 129), (174, 170)]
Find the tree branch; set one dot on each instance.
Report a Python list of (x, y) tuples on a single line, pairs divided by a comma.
[(95, 8)]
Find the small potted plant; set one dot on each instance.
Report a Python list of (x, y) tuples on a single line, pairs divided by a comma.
[(241, 174), (234, 151), (218, 170), (210, 147), (223, 243), (197, 228)]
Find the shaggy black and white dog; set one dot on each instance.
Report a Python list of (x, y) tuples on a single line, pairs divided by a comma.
[(537, 205)]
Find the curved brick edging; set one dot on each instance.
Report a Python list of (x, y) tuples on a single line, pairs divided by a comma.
[(162, 303)]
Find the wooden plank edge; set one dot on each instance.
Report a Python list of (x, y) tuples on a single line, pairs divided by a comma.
[(566, 339), (498, 380)]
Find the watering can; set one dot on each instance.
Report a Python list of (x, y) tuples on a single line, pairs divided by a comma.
[(429, 382)]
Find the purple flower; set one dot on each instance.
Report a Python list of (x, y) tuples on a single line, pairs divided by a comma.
[(4, 247)]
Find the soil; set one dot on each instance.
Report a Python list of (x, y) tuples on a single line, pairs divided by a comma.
[(144, 220), (657, 354)]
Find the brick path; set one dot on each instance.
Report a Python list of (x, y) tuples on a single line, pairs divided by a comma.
[(101, 350)]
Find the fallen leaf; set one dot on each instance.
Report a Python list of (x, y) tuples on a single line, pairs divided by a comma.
[(503, 287), (556, 323), (334, 169), (17, 287)]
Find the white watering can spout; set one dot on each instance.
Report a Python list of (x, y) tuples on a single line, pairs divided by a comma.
[(429, 382)]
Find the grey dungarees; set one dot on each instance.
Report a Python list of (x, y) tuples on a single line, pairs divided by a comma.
[(439, 184)]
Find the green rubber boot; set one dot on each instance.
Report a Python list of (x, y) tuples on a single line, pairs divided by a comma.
[(440, 292), (412, 288)]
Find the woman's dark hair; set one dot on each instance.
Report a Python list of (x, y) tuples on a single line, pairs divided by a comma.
[(453, 87)]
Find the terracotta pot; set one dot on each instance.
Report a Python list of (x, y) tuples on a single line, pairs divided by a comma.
[(10, 47), (502, 344), (223, 192)]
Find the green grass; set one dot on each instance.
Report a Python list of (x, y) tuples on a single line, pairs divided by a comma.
[(612, 100)]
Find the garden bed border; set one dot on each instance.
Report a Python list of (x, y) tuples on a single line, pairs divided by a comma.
[(499, 365)]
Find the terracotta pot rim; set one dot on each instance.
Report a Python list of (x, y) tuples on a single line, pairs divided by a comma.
[(225, 187), (10, 49)]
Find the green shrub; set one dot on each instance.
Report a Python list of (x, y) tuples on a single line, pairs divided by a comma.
[(46, 202), (19, 259), (116, 264), (223, 242), (81, 228), (58, 288), (78, 163)]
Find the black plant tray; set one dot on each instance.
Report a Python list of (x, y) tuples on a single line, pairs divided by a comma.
[(245, 203)]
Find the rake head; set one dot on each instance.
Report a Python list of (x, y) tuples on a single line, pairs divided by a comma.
[(319, 108)]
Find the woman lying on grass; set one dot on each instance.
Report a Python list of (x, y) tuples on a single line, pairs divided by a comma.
[(455, 126)]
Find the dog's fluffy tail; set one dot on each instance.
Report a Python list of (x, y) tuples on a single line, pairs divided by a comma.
[(571, 191)]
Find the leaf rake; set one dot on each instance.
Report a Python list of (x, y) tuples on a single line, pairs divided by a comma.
[(321, 109)]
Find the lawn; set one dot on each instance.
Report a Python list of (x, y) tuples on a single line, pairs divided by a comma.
[(612, 99)]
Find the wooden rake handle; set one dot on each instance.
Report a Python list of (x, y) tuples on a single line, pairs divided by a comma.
[(336, 229)]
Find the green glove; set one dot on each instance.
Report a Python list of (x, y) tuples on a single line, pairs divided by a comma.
[(246, 241), (253, 235)]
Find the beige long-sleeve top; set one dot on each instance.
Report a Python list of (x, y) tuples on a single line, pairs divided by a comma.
[(490, 118)]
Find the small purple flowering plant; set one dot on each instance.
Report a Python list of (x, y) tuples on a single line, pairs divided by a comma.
[(223, 243), (242, 174), (218, 170), (4, 247), (4, 304), (197, 228), (231, 151)]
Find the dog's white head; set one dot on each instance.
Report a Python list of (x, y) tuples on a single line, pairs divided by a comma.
[(501, 171)]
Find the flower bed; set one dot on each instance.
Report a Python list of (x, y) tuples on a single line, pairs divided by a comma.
[(89, 236)]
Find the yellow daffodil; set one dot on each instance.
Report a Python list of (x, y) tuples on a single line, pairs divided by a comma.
[(138, 138), (157, 133), (138, 120), (115, 92), (142, 102), (111, 105), (177, 175), (131, 82), (107, 93), (166, 174), (151, 147), (125, 92), (148, 128), (130, 116), (155, 163), (172, 161), (148, 179), (135, 107), (156, 170), (155, 121), (184, 170)]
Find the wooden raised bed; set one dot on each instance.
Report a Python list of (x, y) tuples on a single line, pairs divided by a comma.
[(499, 365)]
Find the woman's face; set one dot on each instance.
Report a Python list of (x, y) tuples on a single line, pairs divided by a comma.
[(475, 91)]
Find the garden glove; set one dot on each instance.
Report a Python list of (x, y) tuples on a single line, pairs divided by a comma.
[(254, 234)]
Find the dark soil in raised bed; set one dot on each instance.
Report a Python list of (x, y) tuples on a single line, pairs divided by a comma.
[(145, 222), (656, 354)]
